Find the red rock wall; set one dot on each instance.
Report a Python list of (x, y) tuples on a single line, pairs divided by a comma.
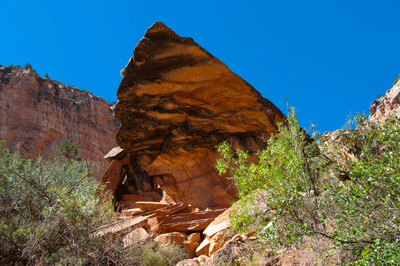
[(39, 114)]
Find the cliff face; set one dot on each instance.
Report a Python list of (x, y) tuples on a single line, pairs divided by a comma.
[(176, 103), (387, 105), (39, 114)]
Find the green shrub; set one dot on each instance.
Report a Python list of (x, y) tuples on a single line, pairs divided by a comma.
[(154, 254), (46, 75), (27, 66), (122, 72), (49, 211), (347, 192)]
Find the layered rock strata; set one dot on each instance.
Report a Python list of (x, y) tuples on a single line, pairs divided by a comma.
[(39, 113), (177, 102)]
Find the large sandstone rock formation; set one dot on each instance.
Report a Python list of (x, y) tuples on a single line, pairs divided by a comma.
[(387, 105), (39, 113), (176, 103)]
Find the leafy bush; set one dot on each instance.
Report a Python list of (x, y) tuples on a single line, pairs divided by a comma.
[(153, 254), (347, 192), (122, 72), (49, 211), (27, 66)]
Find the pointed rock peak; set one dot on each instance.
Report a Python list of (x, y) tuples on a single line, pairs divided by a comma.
[(159, 30)]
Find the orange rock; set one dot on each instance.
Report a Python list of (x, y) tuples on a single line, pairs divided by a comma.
[(113, 176), (203, 248), (216, 242), (131, 212), (190, 248), (129, 197), (171, 209), (136, 236), (195, 237), (176, 103), (220, 223), (184, 221), (150, 206), (187, 226), (176, 238)]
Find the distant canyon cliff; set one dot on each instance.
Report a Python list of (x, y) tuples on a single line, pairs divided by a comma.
[(39, 113)]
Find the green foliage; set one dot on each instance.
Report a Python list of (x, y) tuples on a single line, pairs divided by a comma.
[(396, 79), (68, 150), (153, 254), (299, 189), (122, 72), (27, 66), (46, 75), (112, 103), (49, 210)]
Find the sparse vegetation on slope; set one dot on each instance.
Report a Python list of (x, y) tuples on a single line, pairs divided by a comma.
[(49, 211), (347, 192)]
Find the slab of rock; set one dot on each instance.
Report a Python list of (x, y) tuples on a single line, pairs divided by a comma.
[(220, 223), (176, 103), (217, 241), (184, 222), (171, 209), (136, 236), (131, 212), (176, 238), (113, 176), (116, 153), (187, 226), (123, 227), (150, 206), (39, 113), (203, 248)]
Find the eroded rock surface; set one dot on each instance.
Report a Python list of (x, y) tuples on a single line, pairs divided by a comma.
[(176, 103), (39, 113), (387, 105)]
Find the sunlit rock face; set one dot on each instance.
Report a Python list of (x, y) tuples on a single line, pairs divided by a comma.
[(37, 114), (387, 105), (176, 103)]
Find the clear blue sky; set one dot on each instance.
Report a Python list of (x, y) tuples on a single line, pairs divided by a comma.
[(332, 58)]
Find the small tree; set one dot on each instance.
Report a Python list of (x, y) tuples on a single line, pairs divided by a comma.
[(300, 192), (27, 66)]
